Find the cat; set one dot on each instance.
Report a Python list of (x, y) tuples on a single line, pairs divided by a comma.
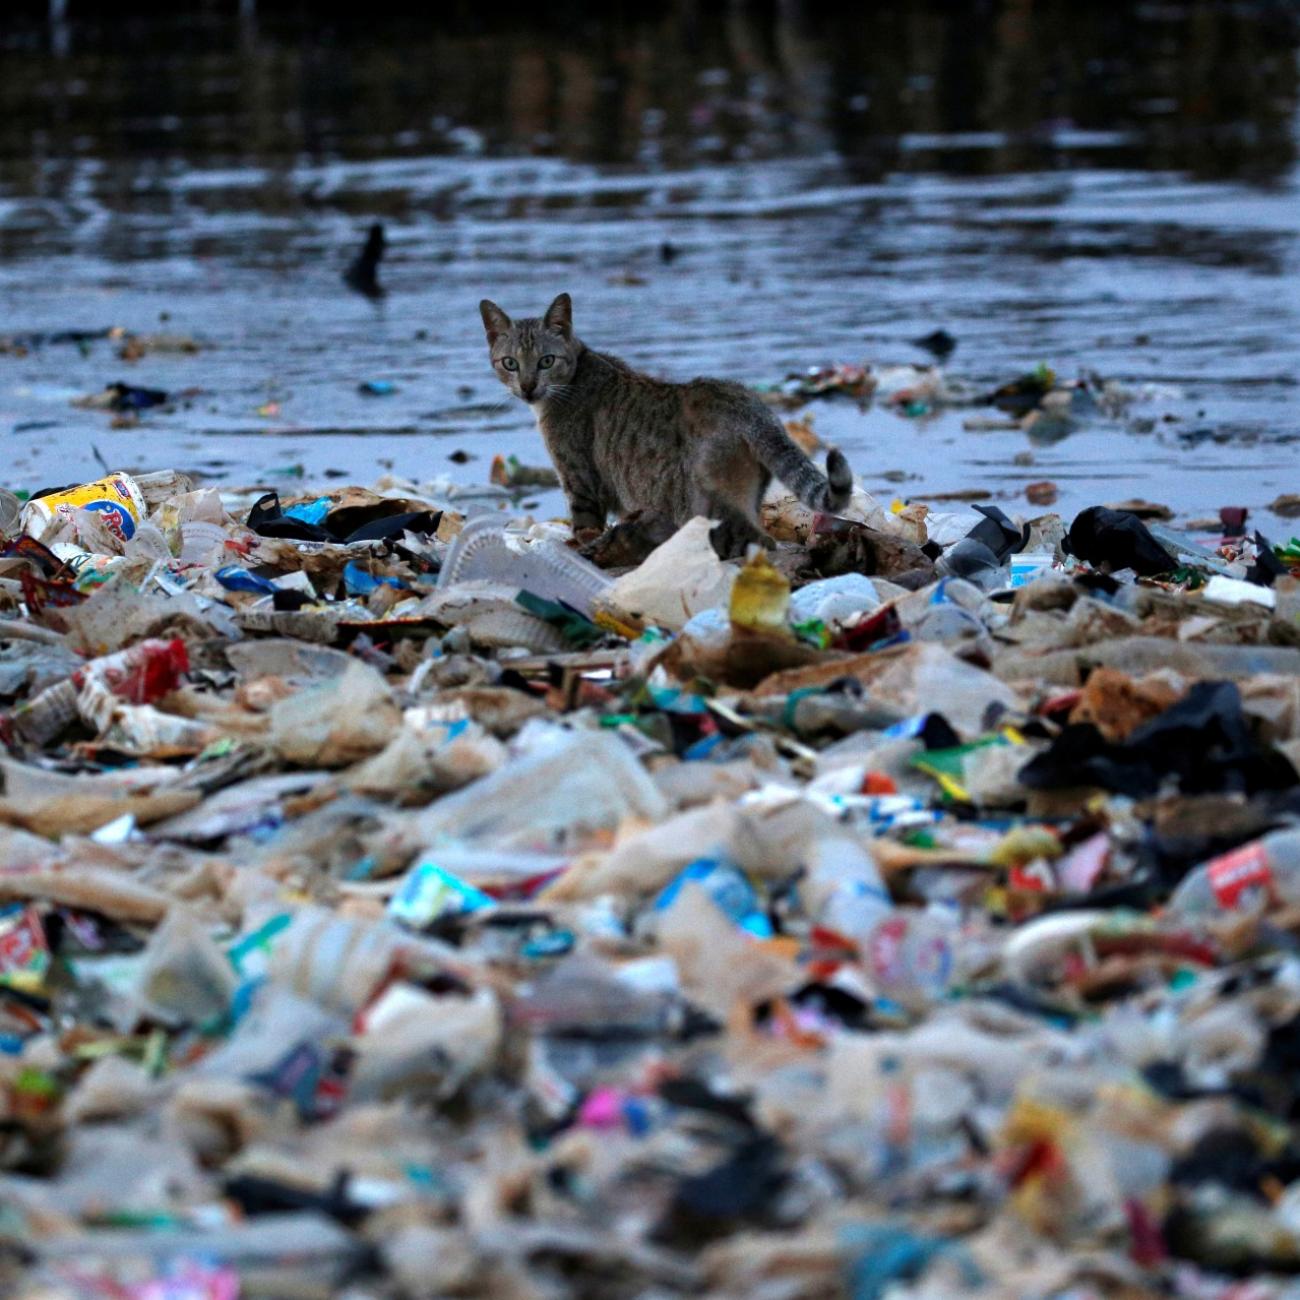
[(622, 441)]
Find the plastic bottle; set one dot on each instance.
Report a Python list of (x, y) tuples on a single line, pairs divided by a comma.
[(10, 509), (44, 716), (1264, 871), (844, 890), (908, 952), (760, 600), (140, 674), (911, 956), (336, 961), (830, 711)]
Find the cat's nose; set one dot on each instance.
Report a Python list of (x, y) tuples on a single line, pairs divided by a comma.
[(528, 387)]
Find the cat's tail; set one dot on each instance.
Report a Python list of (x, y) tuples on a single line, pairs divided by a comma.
[(781, 455)]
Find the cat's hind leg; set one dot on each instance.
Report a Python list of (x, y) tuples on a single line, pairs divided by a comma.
[(730, 484), (734, 532)]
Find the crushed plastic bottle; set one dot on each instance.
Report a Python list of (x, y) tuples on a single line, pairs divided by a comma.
[(844, 890), (910, 953), (1261, 873), (140, 674)]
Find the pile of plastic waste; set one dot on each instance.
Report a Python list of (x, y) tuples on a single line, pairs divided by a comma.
[(1039, 402), (400, 904)]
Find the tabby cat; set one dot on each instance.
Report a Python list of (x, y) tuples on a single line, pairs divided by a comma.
[(625, 442)]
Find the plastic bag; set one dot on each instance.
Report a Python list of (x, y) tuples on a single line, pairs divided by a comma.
[(679, 579), (583, 782), (185, 978), (834, 600), (336, 722)]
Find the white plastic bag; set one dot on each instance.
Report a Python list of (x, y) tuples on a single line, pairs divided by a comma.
[(676, 580), (342, 720)]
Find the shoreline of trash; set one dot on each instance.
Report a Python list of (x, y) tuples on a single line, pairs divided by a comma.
[(1038, 436), (401, 903)]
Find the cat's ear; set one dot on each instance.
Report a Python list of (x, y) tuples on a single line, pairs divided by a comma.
[(495, 321), (559, 316)]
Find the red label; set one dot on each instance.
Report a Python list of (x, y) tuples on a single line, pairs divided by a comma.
[(1034, 878), (885, 947), (22, 941), (898, 954), (1243, 871)]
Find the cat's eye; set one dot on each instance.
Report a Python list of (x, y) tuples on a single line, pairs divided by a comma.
[(546, 362), (509, 363)]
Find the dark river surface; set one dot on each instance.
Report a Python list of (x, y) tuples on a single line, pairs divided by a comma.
[(1099, 187)]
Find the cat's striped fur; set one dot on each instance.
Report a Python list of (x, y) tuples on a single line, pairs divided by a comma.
[(622, 441)]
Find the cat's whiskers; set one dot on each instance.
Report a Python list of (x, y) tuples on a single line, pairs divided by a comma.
[(560, 394)]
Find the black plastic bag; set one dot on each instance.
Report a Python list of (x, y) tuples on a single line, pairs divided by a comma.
[(1119, 540), (267, 519), (1203, 741)]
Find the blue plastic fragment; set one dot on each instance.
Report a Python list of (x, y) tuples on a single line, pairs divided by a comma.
[(233, 578), (877, 1255), (360, 583), (729, 888), (310, 512), (703, 747)]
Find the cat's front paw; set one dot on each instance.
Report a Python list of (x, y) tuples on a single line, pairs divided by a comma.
[(584, 537)]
